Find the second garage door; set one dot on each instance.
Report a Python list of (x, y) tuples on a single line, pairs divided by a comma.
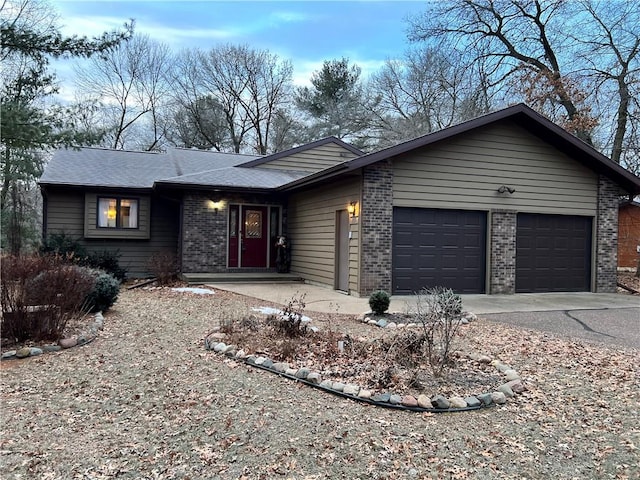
[(437, 247), (553, 253)]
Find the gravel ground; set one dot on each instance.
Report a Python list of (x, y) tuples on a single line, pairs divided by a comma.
[(146, 401)]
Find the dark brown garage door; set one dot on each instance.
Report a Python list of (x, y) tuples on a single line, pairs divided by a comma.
[(553, 253), (433, 247)]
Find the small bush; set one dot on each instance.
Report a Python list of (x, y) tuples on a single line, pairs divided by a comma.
[(39, 295), (63, 245), (104, 293), (437, 311), (379, 302), (289, 323), (108, 261), (72, 251), (164, 266)]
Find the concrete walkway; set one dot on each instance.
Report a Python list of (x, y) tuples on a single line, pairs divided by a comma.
[(321, 299)]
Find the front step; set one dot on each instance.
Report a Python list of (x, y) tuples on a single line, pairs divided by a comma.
[(263, 277)]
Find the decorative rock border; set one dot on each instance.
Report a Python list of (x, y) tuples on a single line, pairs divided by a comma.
[(465, 318), (88, 335), (437, 404)]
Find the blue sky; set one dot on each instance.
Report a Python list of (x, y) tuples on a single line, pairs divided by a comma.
[(305, 32)]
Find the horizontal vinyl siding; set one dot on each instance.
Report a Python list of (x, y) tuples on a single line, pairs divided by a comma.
[(65, 214), (466, 171), (311, 224), (312, 160)]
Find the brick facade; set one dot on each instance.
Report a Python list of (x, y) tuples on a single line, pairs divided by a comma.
[(607, 235), (502, 264), (204, 236), (376, 228), (204, 231)]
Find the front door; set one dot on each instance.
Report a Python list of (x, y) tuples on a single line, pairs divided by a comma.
[(253, 237)]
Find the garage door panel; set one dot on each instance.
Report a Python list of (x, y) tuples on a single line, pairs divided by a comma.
[(434, 247), (553, 253)]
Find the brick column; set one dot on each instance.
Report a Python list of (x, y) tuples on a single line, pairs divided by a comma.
[(204, 242), (607, 235), (503, 252), (376, 217)]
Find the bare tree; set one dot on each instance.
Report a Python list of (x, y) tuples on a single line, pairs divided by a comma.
[(577, 62), (427, 90), (243, 86), (131, 85), (610, 54), (520, 38)]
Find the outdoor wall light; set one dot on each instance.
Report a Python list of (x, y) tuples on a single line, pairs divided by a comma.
[(352, 209), (506, 189), (214, 205)]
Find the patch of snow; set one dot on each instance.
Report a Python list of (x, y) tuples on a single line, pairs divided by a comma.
[(275, 311), (197, 291)]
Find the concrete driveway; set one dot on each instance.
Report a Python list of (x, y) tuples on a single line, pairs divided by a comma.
[(604, 317)]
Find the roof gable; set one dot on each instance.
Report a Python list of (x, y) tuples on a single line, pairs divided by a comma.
[(343, 152), (519, 114)]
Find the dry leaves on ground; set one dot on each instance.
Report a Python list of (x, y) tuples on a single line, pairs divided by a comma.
[(145, 400)]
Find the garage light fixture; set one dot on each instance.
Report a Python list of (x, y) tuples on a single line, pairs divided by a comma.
[(506, 189)]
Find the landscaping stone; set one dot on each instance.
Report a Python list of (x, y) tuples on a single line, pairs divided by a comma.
[(517, 386), (217, 336), (395, 399), (382, 323), (364, 393), (35, 351), (268, 363), (502, 368), (484, 359), (8, 354), (486, 399), (409, 401), (241, 354), (473, 356), (251, 359), (302, 373), (472, 401), (314, 378), (314, 329), (424, 401), (338, 386), (381, 397), (280, 367), (23, 352), (499, 398), (372, 322), (351, 389), (219, 347), (85, 338), (412, 325), (68, 342), (506, 389), (439, 401), (457, 402), (392, 325), (326, 383), (259, 360), (511, 375), (291, 371), (229, 347), (231, 353)]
